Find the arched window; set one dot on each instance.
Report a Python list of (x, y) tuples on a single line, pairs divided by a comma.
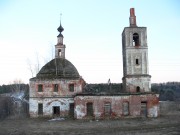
[(135, 39), (137, 89), (59, 52)]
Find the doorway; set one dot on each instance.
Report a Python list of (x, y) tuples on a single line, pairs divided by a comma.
[(56, 110), (40, 109), (143, 109), (89, 109), (71, 110)]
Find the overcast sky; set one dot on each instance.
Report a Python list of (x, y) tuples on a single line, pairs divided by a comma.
[(92, 35)]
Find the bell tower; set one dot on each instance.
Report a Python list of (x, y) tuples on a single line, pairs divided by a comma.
[(60, 47), (136, 78)]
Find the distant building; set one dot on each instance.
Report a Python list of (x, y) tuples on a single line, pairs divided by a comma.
[(59, 90)]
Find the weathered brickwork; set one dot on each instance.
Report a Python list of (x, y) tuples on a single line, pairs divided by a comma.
[(48, 87), (116, 106), (49, 98), (59, 90), (48, 104)]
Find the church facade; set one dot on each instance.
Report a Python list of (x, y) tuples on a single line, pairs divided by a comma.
[(59, 90)]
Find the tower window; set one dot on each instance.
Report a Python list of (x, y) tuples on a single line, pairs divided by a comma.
[(135, 39), (137, 61), (137, 89), (59, 52)]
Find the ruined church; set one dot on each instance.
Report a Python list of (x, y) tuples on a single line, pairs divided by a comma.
[(59, 90)]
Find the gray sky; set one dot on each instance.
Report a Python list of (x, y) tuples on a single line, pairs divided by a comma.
[(92, 34)]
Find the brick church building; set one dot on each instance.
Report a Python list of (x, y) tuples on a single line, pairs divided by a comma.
[(59, 90)]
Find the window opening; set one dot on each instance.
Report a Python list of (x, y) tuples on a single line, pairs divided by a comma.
[(59, 52), (40, 88), (137, 89), (135, 39), (137, 61), (107, 109), (71, 87), (89, 109), (125, 108), (55, 87), (40, 109)]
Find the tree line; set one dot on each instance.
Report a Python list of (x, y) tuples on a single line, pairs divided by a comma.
[(13, 88), (167, 91)]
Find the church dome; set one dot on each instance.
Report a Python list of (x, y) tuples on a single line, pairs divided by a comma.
[(58, 68)]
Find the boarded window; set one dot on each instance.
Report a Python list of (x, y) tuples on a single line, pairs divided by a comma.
[(40, 109), (135, 39), (56, 110), (89, 109), (71, 110), (144, 109), (40, 88), (71, 87), (107, 109), (125, 108), (55, 87)]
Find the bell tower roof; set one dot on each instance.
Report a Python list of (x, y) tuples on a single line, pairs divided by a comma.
[(60, 47), (60, 29)]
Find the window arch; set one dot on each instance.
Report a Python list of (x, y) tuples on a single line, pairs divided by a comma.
[(59, 52), (137, 89), (135, 39)]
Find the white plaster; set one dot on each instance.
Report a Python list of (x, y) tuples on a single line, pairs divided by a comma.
[(78, 112), (153, 112), (48, 103)]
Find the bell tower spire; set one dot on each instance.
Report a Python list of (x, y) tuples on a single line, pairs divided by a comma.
[(60, 47), (132, 18)]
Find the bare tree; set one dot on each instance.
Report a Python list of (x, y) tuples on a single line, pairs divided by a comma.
[(34, 67), (29, 63), (37, 65), (16, 85)]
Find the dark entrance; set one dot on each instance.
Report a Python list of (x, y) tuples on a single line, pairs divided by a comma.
[(56, 111), (89, 109), (137, 89), (144, 109), (71, 110), (40, 109)]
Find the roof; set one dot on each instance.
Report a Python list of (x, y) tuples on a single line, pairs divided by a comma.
[(103, 88), (58, 68)]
